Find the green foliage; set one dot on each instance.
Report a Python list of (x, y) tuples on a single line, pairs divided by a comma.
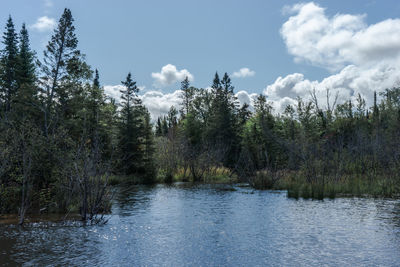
[(9, 65), (63, 141)]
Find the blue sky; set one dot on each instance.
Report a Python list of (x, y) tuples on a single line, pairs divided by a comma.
[(205, 36)]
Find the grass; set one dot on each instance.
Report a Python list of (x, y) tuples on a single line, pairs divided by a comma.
[(295, 182), (322, 187), (217, 175)]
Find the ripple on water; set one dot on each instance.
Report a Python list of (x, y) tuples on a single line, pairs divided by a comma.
[(212, 225)]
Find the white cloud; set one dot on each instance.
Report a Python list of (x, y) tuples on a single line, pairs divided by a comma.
[(334, 42), (159, 103), (44, 24), (170, 75), (245, 97), (349, 82), (364, 57), (243, 73), (114, 91)]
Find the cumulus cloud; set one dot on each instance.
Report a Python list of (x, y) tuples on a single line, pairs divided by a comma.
[(114, 91), (157, 103), (364, 57), (243, 73), (44, 24), (169, 75), (334, 42), (348, 83), (245, 97)]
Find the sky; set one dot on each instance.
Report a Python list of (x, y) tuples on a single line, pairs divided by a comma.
[(282, 49)]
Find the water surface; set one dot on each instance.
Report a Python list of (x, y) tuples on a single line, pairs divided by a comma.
[(207, 225)]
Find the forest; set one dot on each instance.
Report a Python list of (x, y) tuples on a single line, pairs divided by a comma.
[(64, 143)]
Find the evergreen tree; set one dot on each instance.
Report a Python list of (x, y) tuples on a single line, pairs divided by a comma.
[(216, 83), (131, 128), (96, 81), (159, 131), (9, 64), (187, 96), (26, 70), (165, 127), (27, 91), (148, 149), (222, 130), (95, 102), (375, 110), (61, 63)]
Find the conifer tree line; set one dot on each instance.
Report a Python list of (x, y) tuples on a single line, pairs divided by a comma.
[(62, 138)]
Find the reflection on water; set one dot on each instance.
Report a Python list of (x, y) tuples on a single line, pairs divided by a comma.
[(186, 225)]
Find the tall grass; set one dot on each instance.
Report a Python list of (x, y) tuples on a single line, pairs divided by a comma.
[(298, 186)]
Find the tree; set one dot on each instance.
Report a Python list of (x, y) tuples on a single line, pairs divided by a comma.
[(95, 102), (130, 127), (27, 91), (9, 62), (62, 62), (187, 96), (222, 125), (148, 149)]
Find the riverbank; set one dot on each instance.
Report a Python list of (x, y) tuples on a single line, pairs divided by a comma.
[(218, 175), (295, 183)]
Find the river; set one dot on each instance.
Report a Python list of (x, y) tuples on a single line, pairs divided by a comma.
[(214, 225)]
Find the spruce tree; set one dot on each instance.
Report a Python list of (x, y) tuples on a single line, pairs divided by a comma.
[(26, 70), (27, 91), (187, 96), (222, 129), (148, 148), (95, 103), (131, 127), (9, 62), (159, 131), (59, 66)]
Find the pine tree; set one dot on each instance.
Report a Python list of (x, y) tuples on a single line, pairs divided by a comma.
[(187, 96), (60, 64), (159, 131), (216, 83), (95, 102), (96, 81), (222, 129), (26, 71), (131, 127), (27, 91), (148, 148), (9, 62), (375, 110), (165, 127), (226, 84)]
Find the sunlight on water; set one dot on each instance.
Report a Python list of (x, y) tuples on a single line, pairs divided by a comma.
[(204, 225)]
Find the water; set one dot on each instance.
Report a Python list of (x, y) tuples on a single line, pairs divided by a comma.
[(183, 225)]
